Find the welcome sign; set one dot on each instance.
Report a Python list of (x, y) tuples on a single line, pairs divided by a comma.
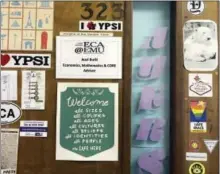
[(87, 122)]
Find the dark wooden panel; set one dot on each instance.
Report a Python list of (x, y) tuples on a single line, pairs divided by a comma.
[(37, 155), (180, 117)]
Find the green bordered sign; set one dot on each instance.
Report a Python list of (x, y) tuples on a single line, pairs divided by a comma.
[(87, 121)]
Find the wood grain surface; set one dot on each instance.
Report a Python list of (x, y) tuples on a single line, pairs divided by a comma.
[(180, 121), (37, 155)]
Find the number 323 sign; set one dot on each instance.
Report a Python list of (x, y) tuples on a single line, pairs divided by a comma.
[(101, 9)]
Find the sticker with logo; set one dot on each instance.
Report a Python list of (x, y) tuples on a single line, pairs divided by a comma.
[(116, 26), (200, 85), (25, 60), (197, 168), (195, 7), (10, 113), (194, 145), (210, 144), (198, 117)]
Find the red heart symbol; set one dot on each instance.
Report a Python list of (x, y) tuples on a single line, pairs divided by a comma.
[(4, 59)]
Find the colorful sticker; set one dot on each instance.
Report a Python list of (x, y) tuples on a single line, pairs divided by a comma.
[(194, 145), (200, 45), (198, 117), (200, 85), (196, 168), (210, 144), (27, 26), (195, 7)]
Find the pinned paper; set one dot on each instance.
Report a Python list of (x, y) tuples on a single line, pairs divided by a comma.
[(33, 90), (210, 144), (27, 26)]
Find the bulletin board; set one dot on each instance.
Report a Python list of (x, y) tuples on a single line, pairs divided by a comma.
[(37, 154)]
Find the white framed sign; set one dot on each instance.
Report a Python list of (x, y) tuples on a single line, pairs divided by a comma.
[(87, 122), (82, 57)]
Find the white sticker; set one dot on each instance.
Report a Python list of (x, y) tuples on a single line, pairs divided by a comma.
[(89, 57), (25, 60), (210, 144), (101, 26), (198, 127), (9, 86), (200, 45), (200, 85), (195, 156), (10, 113), (9, 150), (33, 90), (195, 7), (85, 34), (33, 128)]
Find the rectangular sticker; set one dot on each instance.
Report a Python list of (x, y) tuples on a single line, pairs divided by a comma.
[(87, 122), (9, 150), (33, 90), (85, 34), (33, 128), (198, 117), (88, 57), (9, 86), (116, 26), (195, 156), (27, 26), (25, 60), (200, 45), (200, 85)]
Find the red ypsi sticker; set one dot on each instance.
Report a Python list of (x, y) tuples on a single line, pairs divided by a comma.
[(4, 59), (194, 145)]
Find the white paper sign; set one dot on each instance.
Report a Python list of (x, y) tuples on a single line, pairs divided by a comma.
[(33, 90), (13, 60), (87, 122), (89, 57), (9, 150), (33, 128), (9, 85)]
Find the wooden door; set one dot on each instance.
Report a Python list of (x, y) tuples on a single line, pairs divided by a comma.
[(181, 134), (37, 155)]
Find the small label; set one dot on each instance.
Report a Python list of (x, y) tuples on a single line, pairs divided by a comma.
[(195, 7), (210, 144), (101, 26), (33, 128), (25, 60), (196, 168), (193, 156), (85, 34), (200, 85)]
